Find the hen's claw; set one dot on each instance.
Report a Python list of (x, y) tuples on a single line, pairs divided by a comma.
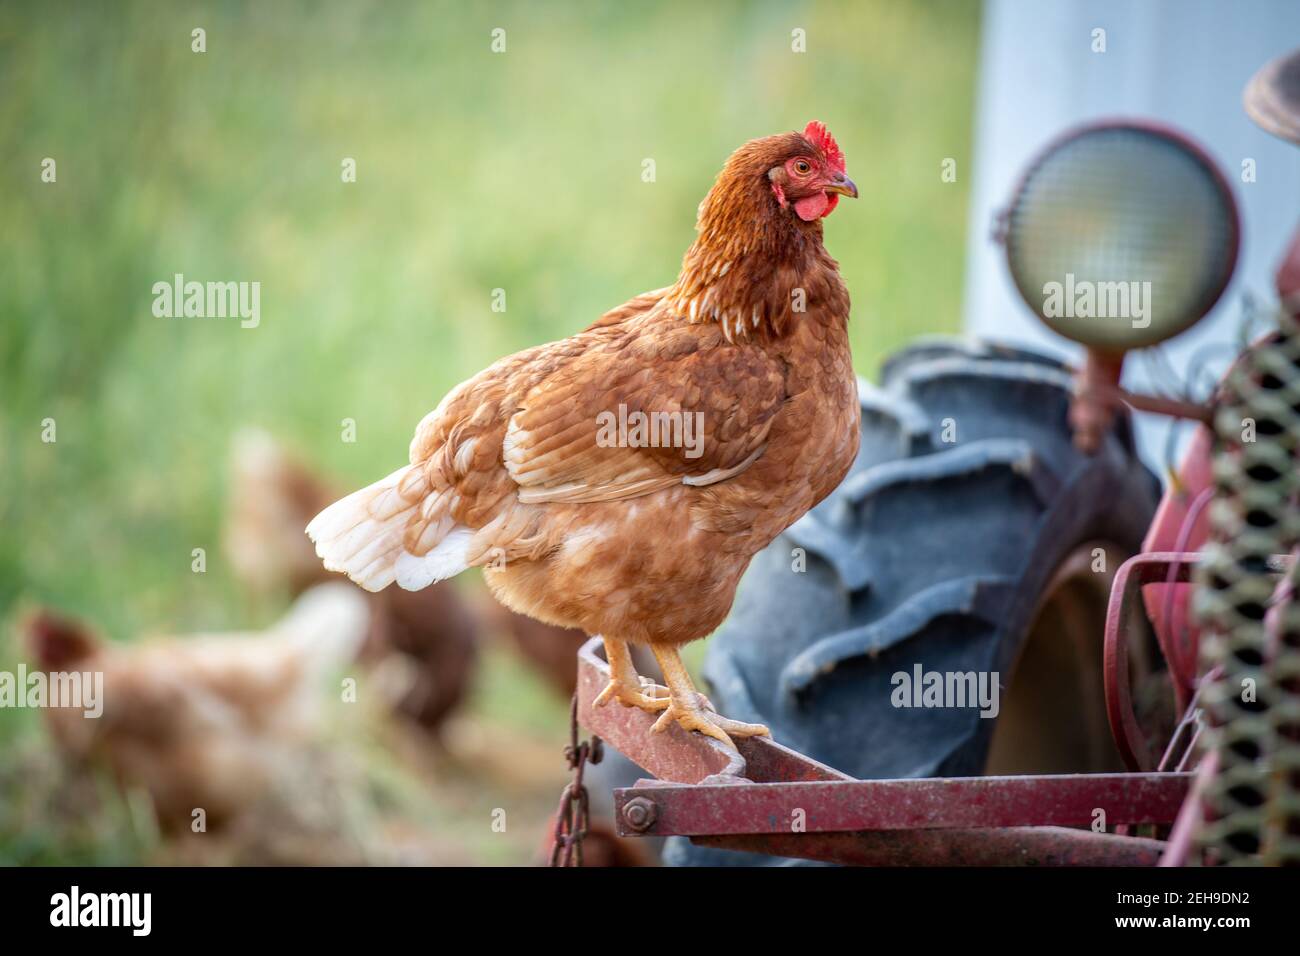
[(700, 717), (691, 709), (645, 695)]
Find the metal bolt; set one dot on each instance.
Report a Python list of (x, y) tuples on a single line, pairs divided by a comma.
[(640, 814)]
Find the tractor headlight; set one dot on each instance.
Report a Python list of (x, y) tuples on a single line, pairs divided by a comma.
[(1121, 235)]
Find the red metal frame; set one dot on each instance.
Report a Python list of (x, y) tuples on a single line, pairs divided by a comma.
[(1181, 524), (767, 798), (1137, 571), (921, 803)]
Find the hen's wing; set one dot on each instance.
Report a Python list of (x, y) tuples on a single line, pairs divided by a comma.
[(709, 409)]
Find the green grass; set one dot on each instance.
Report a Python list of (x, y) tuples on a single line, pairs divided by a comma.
[(476, 171)]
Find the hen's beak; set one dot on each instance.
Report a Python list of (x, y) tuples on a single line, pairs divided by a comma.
[(843, 185)]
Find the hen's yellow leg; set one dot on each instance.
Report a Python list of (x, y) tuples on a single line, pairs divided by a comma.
[(690, 708), (625, 685)]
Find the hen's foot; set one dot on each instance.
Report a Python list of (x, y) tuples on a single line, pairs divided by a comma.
[(644, 693), (625, 685), (691, 709), (695, 714)]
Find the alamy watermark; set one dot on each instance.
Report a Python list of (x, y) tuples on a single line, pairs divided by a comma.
[(651, 430), (133, 911), (947, 689), (208, 300), (82, 690), (1085, 299)]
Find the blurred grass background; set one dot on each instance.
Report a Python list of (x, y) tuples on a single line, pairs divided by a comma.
[(475, 171)]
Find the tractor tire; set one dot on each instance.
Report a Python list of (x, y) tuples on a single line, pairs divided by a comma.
[(968, 524)]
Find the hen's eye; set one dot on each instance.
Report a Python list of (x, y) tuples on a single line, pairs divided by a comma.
[(801, 167)]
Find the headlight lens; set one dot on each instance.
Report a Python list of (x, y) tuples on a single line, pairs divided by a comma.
[(1121, 236)]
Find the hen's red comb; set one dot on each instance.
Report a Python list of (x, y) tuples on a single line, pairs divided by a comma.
[(817, 134)]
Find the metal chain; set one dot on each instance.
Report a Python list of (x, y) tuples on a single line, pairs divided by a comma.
[(571, 819), (1253, 519)]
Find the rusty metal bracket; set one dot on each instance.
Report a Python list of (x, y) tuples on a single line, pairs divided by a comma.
[(679, 755), (921, 803)]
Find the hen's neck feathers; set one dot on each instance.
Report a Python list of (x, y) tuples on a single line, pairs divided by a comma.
[(753, 264)]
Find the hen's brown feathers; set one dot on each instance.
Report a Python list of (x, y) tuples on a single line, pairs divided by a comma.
[(513, 472), (552, 447)]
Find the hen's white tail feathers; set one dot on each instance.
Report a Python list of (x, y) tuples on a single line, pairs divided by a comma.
[(363, 536), (446, 560)]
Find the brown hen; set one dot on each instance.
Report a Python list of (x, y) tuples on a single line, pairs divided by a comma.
[(620, 480), (212, 721)]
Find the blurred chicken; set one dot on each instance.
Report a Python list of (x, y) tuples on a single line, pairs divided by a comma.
[(423, 645), (269, 491), (613, 531), (272, 496), (208, 721)]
